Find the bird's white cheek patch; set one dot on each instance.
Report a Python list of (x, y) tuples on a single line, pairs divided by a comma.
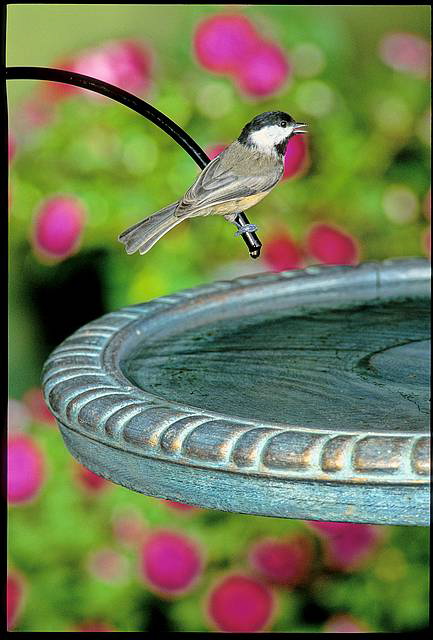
[(266, 138)]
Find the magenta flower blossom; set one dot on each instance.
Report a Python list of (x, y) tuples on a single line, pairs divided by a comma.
[(215, 150), (54, 91), (331, 245), (58, 226), (90, 482), (26, 469), (344, 623), (350, 550), (406, 52), (296, 160), (170, 563), (224, 41), (347, 545), (229, 43), (35, 403), (240, 603), (15, 592), (280, 252), (124, 63), (329, 528), (283, 562), (263, 72), (108, 565)]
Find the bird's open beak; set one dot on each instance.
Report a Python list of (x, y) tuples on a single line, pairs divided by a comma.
[(299, 127)]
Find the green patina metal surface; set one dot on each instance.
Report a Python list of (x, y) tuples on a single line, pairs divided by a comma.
[(303, 394), (365, 369)]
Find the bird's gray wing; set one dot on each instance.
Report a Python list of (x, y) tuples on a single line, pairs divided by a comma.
[(219, 183)]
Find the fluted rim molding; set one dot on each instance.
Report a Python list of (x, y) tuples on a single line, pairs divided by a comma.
[(87, 392)]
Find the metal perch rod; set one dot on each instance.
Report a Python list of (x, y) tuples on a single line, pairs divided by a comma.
[(140, 106)]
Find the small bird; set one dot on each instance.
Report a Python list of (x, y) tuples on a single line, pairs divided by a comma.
[(238, 178)]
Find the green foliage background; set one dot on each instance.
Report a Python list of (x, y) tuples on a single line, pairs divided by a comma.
[(123, 168)]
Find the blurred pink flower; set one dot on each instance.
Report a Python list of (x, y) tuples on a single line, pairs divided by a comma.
[(14, 598), (124, 63), (11, 147), (89, 481), (283, 562), (350, 550), (170, 563), (35, 403), (407, 52), (58, 226), (240, 603), (344, 623), (329, 528), (129, 529), (215, 150), (263, 72), (347, 545), (297, 159), (229, 43), (331, 245), (26, 469), (224, 41), (281, 253), (108, 565), (53, 91)]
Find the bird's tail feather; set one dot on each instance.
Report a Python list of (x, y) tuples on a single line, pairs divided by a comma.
[(144, 234)]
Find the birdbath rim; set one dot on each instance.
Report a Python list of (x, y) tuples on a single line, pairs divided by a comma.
[(181, 451)]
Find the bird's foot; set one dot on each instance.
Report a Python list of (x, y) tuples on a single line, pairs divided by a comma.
[(246, 228)]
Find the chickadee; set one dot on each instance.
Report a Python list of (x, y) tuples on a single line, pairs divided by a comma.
[(238, 178)]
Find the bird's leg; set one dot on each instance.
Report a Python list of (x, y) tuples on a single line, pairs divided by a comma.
[(242, 228), (249, 237)]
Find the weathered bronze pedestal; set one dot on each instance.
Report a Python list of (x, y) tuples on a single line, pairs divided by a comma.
[(302, 394)]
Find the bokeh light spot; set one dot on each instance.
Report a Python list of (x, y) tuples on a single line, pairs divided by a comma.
[(400, 204), (308, 59)]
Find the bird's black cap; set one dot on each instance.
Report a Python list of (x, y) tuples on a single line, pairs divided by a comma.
[(266, 119)]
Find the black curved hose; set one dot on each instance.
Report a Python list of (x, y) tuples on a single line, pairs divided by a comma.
[(140, 106)]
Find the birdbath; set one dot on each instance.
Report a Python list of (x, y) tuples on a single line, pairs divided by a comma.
[(302, 394)]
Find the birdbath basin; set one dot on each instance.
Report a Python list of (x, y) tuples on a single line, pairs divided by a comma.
[(302, 394)]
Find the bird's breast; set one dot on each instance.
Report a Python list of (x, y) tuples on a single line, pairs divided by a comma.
[(240, 204)]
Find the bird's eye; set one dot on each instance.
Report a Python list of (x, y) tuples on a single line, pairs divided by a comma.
[(283, 123)]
